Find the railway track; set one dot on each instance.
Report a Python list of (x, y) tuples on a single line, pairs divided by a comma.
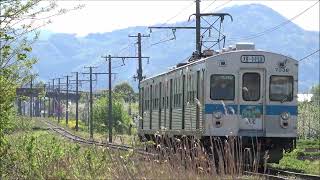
[(265, 176), (68, 135), (272, 174), (291, 175), (277, 174)]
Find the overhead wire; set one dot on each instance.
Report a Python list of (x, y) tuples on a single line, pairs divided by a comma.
[(181, 11), (161, 25), (166, 40), (244, 38), (209, 5), (272, 28), (309, 55), (129, 45)]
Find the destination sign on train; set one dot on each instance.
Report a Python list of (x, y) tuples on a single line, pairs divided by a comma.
[(252, 59)]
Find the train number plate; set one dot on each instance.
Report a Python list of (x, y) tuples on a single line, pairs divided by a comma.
[(252, 59)]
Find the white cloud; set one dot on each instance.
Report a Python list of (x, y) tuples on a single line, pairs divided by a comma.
[(105, 16)]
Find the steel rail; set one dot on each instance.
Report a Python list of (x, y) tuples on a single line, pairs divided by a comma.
[(66, 134), (292, 174), (267, 176)]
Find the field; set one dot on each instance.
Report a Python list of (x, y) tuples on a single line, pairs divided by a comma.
[(305, 159), (34, 152)]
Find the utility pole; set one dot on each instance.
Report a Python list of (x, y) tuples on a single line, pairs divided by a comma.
[(110, 102), (198, 52), (77, 101), (44, 100), (90, 102), (77, 95), (91, 105), (49, 100), (198, 30), (91, 98), (31, 97), (139, 71), (53, 99), (59, 99), (109, 59), (67, 100)]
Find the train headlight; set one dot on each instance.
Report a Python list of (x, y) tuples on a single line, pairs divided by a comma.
[(217, 115), (218, 123), (285, 116)]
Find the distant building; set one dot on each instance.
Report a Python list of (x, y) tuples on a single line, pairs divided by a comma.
[(304, 97)]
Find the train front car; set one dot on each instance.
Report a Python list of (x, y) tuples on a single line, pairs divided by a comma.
[(252, 94)]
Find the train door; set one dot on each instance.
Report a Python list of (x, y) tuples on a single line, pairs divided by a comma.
[(170, 103), (142, 97), (151, 106), (160, 103), (251, 100), (198, 100), (183, 100)]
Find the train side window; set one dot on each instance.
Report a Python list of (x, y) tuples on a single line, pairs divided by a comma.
[(174, 92), (222, 87), (142, 99), (281, 88), (180, 92), (251, 86), (151, 98), (146, 98), (156, 97), (167, 94)]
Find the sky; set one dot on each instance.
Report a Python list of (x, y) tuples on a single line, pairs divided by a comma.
[(106, 16)]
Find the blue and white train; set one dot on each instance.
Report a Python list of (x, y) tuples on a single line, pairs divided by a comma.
[(239, 91)]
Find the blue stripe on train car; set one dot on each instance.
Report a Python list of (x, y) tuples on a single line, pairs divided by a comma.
[(270, 109), (278, 109), (248, 106), (231, 108)]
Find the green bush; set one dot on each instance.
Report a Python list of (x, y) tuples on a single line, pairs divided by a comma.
[(308, 120), (121, 119)]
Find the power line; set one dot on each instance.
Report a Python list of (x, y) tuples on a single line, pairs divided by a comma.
[(198, 28), (209, 5), (213, 9), (309, 55), (222, 5), (272, 28), (182, 10)]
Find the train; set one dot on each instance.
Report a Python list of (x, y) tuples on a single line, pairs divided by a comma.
[(237, 91)]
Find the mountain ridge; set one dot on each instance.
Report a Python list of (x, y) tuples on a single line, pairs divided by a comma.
[(66, 52)]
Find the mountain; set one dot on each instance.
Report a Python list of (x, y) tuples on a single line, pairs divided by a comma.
[(60, 54)]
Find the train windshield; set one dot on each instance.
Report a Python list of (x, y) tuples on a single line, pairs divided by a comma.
[(281, 88), (222, 87), (251, 86)]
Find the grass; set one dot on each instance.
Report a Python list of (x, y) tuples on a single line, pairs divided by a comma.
[(308, 143), (33, 152), (102, 137), (302, 160)]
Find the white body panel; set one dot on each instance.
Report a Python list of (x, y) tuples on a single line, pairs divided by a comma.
[(261, 117)]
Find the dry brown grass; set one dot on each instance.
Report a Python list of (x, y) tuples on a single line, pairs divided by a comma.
[(186, 158)]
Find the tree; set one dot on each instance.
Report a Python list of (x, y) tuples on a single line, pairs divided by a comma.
[(308, 120), (19, 22), (126, 91), (121, 120), (315, 90)]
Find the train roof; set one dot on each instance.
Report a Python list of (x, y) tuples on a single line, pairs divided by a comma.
[(246, 48)]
